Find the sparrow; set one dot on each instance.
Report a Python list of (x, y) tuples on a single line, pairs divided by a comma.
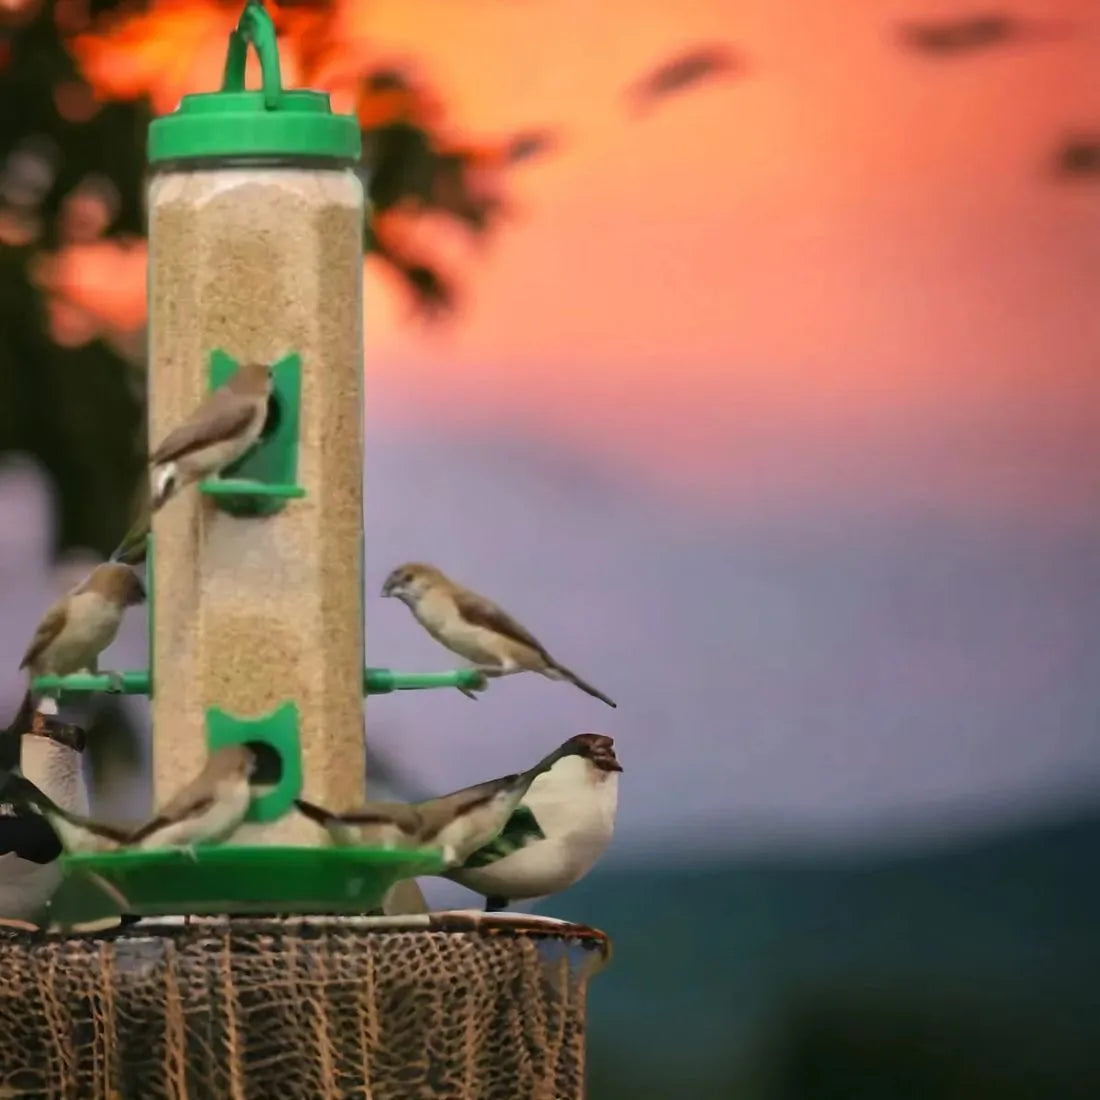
[(556, 833), (222, 428), (458, 823), (76, 834), (474, 627), (208, 809), (77, 628)]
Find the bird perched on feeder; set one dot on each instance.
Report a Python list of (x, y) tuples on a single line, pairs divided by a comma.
[(208, 809), (75, 833), (474, 627), (227, 423), (557, 832), (459, 823), (76, 629)]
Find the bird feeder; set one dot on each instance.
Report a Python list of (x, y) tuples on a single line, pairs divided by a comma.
[(255, 581), (255, 598)]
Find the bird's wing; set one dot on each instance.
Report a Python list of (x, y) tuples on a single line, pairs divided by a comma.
[(401, 814), (221, 416), (98, 828), (480, 611), (438, 812), (522, 828), (53, 622)]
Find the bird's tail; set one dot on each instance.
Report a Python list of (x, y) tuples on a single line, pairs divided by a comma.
[(564, 673), (313, 811), (71, 829), (81, 834), (166, 483), (132, 549)]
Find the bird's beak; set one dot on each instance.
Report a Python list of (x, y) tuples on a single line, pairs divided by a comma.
[(388, 588)]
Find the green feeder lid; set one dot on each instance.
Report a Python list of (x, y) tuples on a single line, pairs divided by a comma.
[(268, 123)]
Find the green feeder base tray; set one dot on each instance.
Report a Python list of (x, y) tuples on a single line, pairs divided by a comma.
[(232, 879)]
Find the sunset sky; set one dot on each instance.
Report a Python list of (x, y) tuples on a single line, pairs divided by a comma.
[(835, 251), (769, 277), (776, 412)]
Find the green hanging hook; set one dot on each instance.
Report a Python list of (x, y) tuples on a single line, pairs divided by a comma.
[(255, 26)]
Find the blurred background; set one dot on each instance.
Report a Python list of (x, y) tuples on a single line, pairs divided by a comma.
[(747, 350)]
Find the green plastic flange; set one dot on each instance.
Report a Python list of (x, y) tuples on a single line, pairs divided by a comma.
[(225, 878), (279, 731), (234, 123), (260, 482)]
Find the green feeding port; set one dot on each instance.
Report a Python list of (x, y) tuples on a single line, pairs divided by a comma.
[(381, 681), (226, 878), (260, 482), (278, 731)]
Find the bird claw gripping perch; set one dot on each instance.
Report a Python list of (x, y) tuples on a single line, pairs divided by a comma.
[(471, 690)]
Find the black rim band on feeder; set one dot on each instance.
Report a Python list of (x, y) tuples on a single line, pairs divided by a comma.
[(220, 163)]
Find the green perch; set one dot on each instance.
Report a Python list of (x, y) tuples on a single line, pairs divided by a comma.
[(376, 681)]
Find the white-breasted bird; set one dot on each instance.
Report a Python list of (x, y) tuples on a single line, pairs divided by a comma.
[(474, 627), (77, 628), (76, 833), (560, 828), (227, 423), (208, 810)]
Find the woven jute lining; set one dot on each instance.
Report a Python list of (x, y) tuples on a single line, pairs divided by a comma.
[(280, 1009)]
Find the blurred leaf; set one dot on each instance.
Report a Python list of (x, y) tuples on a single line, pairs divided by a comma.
[(683, 71)]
